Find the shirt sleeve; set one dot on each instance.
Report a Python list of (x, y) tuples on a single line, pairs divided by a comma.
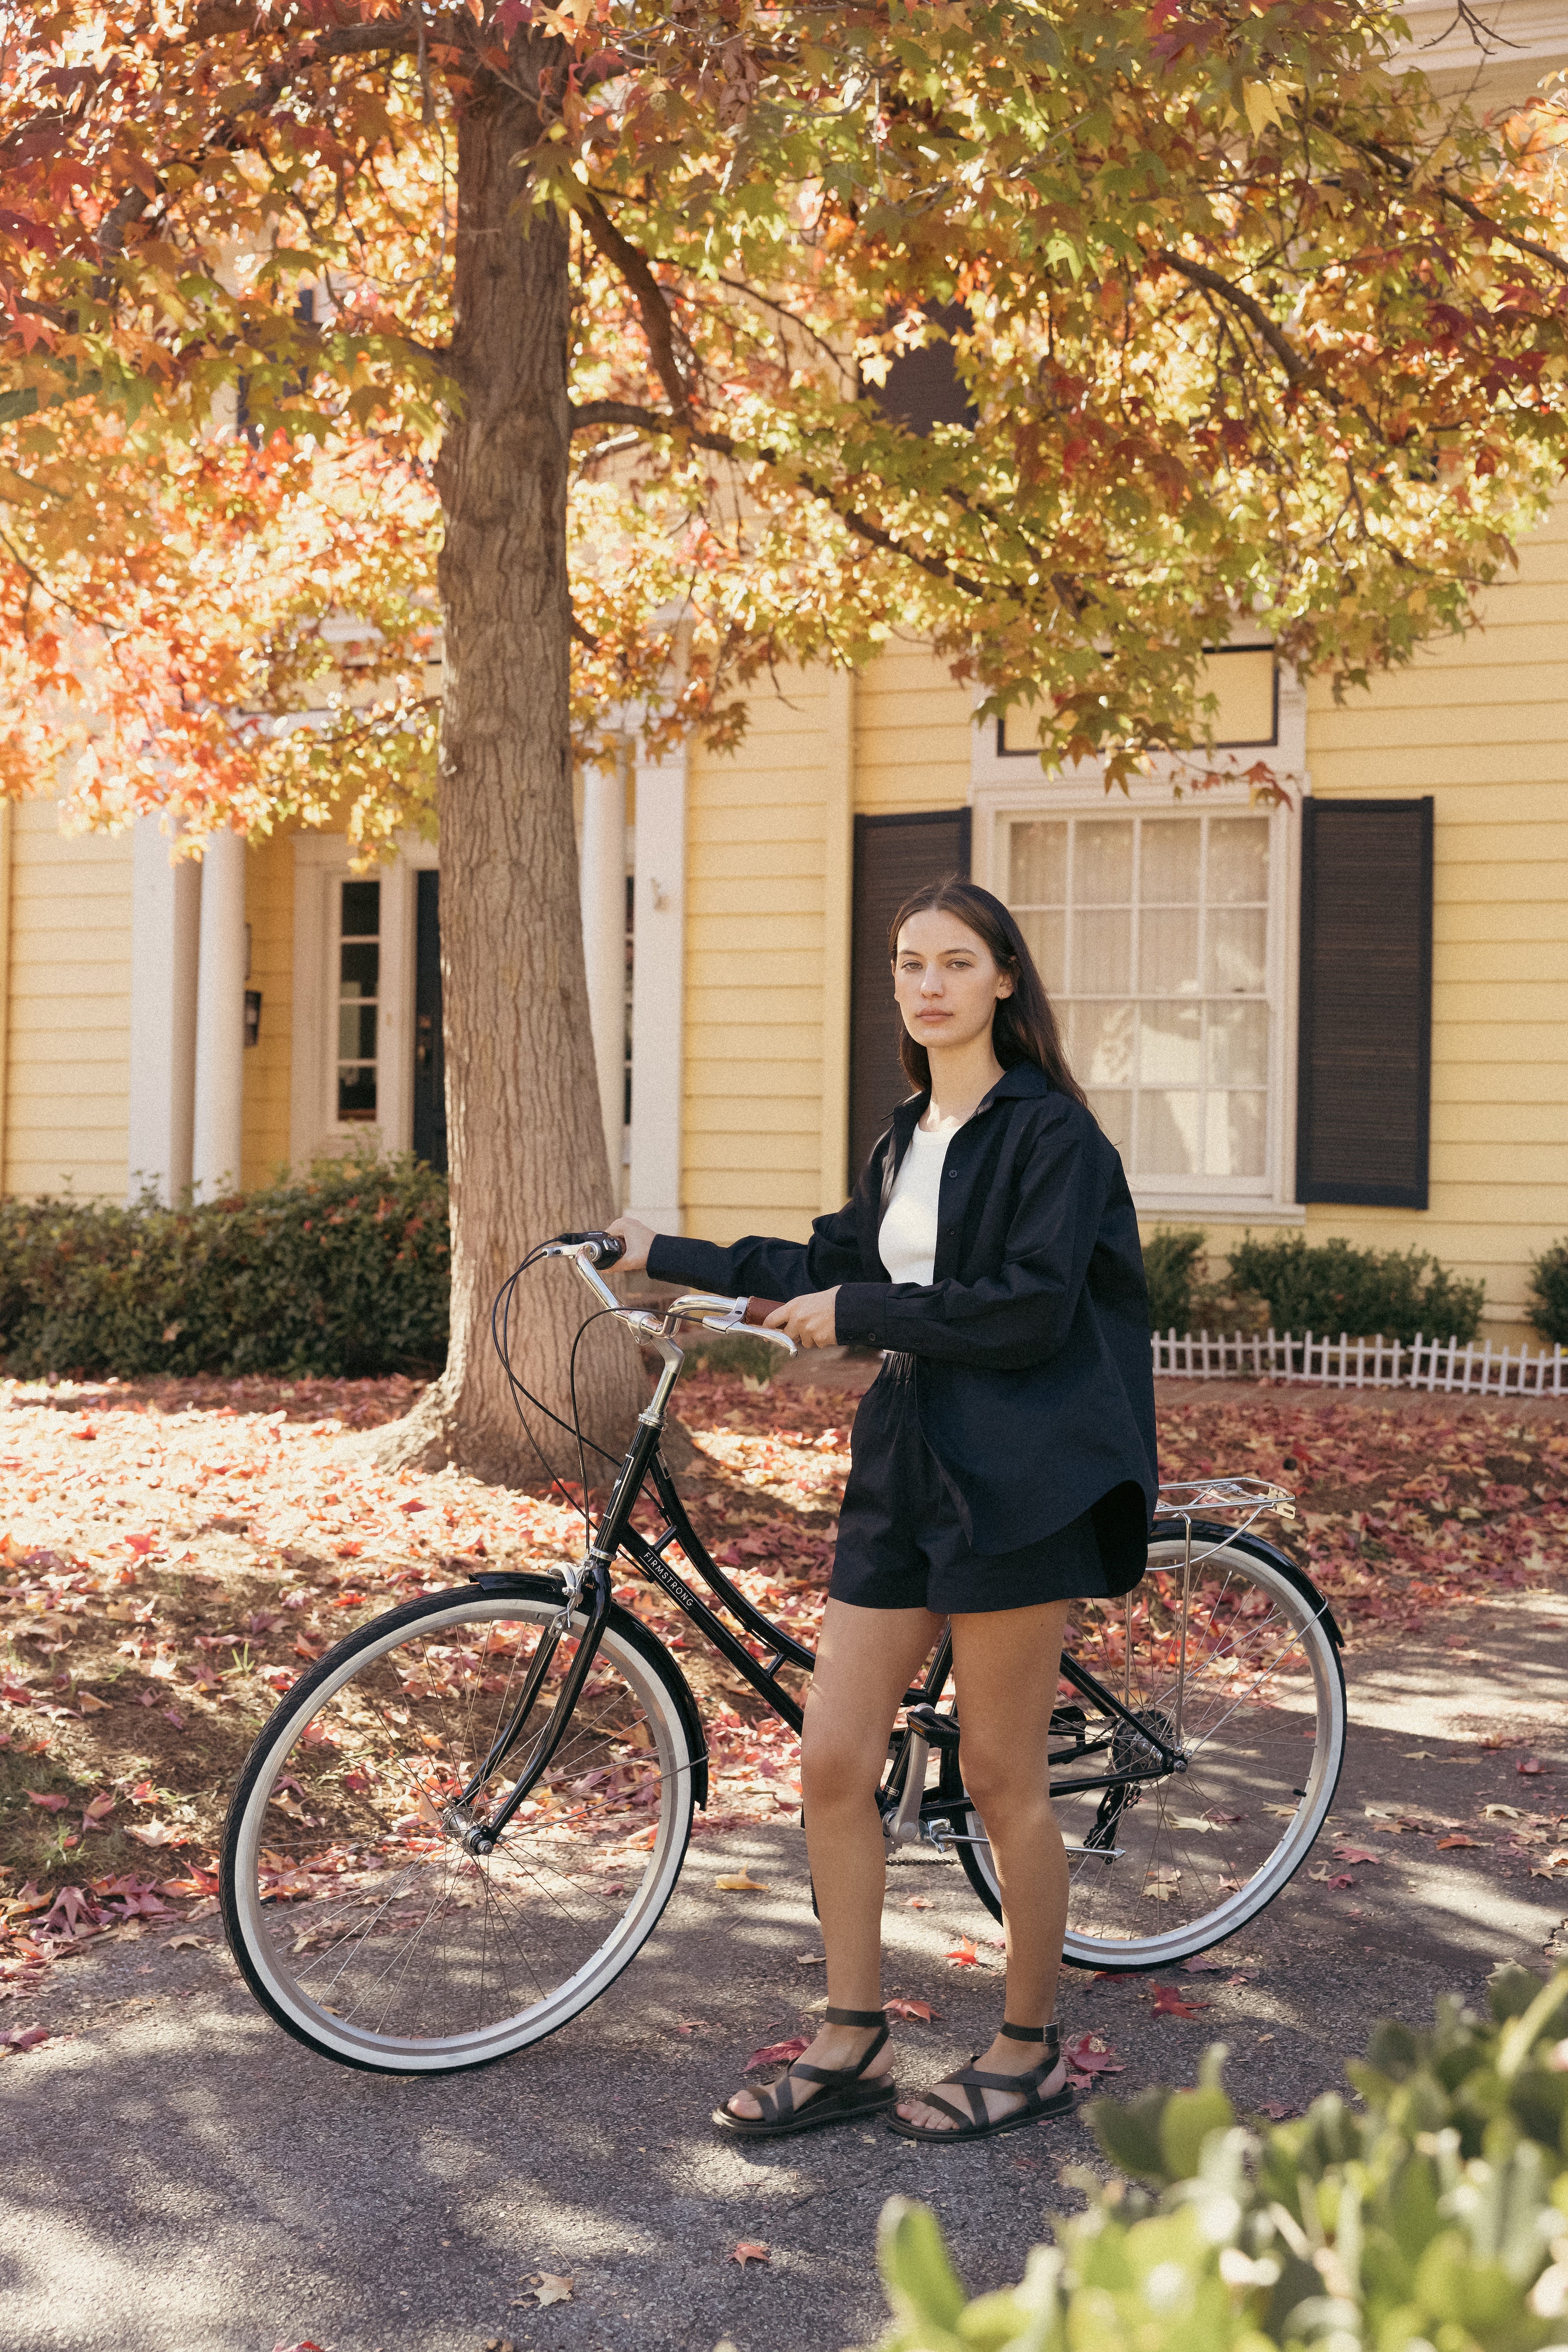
[(759, 1268), (1022, 1315)]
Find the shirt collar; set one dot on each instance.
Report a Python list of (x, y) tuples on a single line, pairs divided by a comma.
[(1022, 1080)]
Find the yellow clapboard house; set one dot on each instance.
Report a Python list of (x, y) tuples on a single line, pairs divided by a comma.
[(1347, 1016)]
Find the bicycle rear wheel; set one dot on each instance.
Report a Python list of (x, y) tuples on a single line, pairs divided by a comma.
[(363, 1926), (1255, 1704)]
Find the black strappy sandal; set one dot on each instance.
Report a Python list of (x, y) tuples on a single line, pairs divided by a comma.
[(843, 2099), (977, 2123)]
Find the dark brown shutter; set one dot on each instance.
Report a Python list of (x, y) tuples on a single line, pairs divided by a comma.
[(1365, 1072), (924, 387), (893, 856)]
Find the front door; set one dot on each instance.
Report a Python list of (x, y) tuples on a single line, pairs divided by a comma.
[(429, 1054)]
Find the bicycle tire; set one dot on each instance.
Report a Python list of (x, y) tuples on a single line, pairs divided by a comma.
[(362, 1926), (1191, 1881)]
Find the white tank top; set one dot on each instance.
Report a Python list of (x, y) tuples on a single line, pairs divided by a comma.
[(907, 1241)]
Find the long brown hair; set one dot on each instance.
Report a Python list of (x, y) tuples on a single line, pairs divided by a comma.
[(1024, 1026)]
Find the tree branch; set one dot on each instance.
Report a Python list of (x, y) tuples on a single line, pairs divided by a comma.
[(1299, 371), (652, 308), (1406, 170)]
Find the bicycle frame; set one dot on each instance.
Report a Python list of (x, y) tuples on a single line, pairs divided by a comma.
[(917, 1808)]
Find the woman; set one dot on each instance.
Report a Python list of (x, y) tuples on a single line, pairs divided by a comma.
[(1002, 1467)]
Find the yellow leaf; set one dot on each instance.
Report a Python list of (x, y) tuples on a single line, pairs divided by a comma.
[(738, 1881), (1262, 108)]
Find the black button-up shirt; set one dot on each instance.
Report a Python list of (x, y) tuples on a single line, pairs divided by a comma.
[(1035, 1376)]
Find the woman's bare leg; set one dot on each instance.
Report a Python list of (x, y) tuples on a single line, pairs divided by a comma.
[(1006, 1664), (866, 1661)]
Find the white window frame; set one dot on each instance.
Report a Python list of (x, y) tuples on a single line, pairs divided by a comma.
[(1007, 784), (321, 865)]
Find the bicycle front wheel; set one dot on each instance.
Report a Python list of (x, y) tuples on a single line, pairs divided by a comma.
[(1235, 1667), (361, 1923)]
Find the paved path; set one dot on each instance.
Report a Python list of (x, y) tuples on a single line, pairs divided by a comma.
[(181, 2177)]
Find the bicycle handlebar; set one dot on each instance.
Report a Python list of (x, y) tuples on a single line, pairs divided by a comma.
[(590, 1252)]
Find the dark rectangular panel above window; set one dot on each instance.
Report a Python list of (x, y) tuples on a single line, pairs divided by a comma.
[(1364, 1077), (894, 856), (924, 387)]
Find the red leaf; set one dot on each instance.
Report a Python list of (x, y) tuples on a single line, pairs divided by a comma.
[(140, 1545), (1090, 2054), (24, 2037), (1531, 1764), (776, 2054), (50, 1804), (750, 2250), (963, 1953), (921, 2010), (1171, 2001), (1443, 1843), (1344, 1879), (1354, 1854)]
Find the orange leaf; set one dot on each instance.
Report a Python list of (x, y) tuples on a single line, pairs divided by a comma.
[(963, 1953), (918, 2009), (1443, 1843), (739, 1881), (750, 2250)]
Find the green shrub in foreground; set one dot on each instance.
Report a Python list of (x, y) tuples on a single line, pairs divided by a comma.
[(344, 1273), (1331, 1286), (1171, 1258), (1434, 2221), (1548, 1308)]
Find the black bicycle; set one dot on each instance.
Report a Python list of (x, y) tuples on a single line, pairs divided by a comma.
[(465, 1820)]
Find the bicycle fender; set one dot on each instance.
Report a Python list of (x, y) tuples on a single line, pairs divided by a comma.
[(502, 1580), (1206, 1531)]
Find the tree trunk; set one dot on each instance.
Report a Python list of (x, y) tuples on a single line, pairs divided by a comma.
[(524, 1129)]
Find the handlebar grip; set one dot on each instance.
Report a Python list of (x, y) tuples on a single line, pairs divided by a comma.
[(757, 1310), (608, 1247)]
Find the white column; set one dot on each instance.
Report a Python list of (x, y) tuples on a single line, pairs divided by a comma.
[(220, 1019), (602, 869), (165, 914), (658, 993)]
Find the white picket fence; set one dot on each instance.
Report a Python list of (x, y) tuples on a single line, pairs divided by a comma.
[(1346, 1363)]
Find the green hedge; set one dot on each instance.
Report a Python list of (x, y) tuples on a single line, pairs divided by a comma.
[(1436, 2221), (1326, 1287), (1172, 1256), (1548, 1308), (344, 1274)]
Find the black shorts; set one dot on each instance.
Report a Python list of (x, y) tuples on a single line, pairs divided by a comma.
[(901, 1543)]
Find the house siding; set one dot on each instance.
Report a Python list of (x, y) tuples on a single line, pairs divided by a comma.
[(69, 1045), (270, 913)]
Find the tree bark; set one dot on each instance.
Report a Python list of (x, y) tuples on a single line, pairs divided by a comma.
[(524, 1129)]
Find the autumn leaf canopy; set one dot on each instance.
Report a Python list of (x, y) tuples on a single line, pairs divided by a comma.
[(1250, 323)]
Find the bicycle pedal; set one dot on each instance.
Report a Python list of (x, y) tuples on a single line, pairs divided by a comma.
[(940, 1730)]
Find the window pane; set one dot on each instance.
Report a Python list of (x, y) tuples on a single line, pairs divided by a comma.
[(362, 910), (1169, 1045), (1234, 1141), (1169, 1141), (1114, 1112), (1046, 939), (356, 1094), (1238, 1037), (1235, 945), (1238, 859), (1102, 953), (360, 968), (1102, 862), (1100, 1044), (1168, 861), (1038, 866), (1168, 951), (356, 1032)]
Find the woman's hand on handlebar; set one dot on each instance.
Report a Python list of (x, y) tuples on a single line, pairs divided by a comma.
[(638, 1238), (811, 1322)]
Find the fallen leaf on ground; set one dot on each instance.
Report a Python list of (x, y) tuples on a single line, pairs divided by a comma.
[(50, 1804), (1089, 2055), (1354, 1854), (740, 1881), (1170, 2001), (1529, 1764), (920, 1902), (809, 1959), (158, 1834), (775, 2054), (1444, 1844), (750, 2250), (919, 2011), (963, 1953), (189, 1943), (1277, 2109), (1344, 1879), (551, 2289), (1504, 1814), (90, 1705), (1201, 1965), (23, 2037)]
